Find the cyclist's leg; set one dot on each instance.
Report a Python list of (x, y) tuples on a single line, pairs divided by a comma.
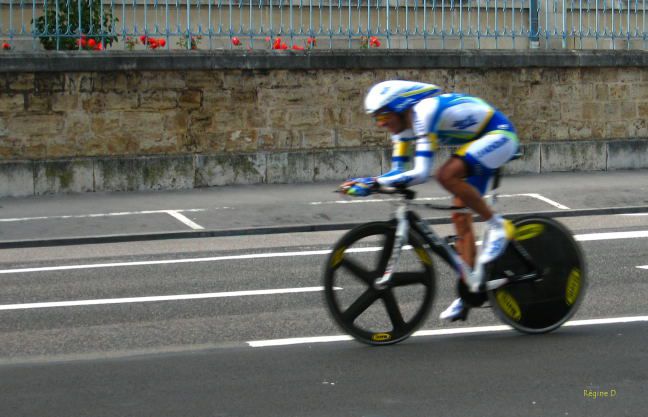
[(477, 162), (465, 243), (452, 176), (483, 157)]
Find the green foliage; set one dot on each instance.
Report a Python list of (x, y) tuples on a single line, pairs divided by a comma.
[(69, 29)]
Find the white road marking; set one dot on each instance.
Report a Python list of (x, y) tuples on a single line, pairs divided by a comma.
[(643, 267), (440, 332), (74, 303), (634, 214), (612, 235), (584, 237), (184, 220), (382, 200), (539, 197), (82, 216)]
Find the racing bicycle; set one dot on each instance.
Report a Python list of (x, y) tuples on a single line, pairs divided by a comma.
[(379, 279)]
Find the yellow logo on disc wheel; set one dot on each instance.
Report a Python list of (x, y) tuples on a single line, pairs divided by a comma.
[(508, 305), (381, 337), (337, 257), (573, 286), (528, 231), (423, 256)]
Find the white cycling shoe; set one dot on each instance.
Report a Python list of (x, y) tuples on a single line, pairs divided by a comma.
[(496, 237), (456, 311)]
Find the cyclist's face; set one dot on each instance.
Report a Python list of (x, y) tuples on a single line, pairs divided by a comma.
[(390, 121)]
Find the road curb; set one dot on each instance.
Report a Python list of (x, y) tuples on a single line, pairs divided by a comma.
[(122, 238)]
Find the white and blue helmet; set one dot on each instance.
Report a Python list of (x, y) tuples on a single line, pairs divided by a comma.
[(397, 96)]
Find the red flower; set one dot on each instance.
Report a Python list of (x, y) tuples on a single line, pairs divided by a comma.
[(284, 46), (298, 48), (91, 43), (267, 39), (99, 47), (236, 41), (143, 39), (374, 42), (161, 42), (311, 41), (153, 44), (277, 44), (6, 46)]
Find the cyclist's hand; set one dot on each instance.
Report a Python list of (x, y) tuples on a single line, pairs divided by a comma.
[(359, 187)]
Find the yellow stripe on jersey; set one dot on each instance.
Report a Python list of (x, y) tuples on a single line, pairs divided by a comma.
[(463, 149), (434, 141), (400, 149)]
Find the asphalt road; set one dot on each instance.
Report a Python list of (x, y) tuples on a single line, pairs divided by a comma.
[(211, 327)]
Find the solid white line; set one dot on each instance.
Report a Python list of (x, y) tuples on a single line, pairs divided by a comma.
[(643, 267), (584, 237), (439, 332), (612, 236), (185, 220), (634, 214), (82, 216), (27, 306)]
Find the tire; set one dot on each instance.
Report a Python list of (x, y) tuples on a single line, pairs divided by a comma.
[(544, 304), (378, 316)]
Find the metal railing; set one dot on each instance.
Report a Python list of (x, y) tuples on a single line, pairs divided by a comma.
[(411, 24)]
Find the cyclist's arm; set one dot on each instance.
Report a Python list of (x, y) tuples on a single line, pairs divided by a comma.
[(420, 172)]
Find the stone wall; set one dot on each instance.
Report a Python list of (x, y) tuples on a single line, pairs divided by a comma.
[(119, 122)]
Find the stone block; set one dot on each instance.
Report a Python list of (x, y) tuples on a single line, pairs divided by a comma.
[(213, 170), (627, 154), (144, 173), (573, 156), (63, 176), (16, 178)]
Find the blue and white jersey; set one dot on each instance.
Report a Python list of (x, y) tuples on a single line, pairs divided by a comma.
[(446, 119)]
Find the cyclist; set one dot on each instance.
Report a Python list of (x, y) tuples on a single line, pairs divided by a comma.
[(420, 118)]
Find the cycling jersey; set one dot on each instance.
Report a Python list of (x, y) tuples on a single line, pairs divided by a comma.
[(486, 139)]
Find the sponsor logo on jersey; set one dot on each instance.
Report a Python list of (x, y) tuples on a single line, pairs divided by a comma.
[(465, 123), (493, 146)]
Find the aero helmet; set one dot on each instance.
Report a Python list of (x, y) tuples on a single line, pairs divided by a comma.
[(397, 96)]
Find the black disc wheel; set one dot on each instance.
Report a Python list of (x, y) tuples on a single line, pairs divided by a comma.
[(543, 303), (378, 316)]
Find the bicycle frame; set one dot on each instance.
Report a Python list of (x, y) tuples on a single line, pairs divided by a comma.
[(406, 218)]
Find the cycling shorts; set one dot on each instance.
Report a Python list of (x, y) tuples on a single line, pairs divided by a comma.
[(490, 151)]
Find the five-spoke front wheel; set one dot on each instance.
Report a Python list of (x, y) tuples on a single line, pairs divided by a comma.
[(372, 315)]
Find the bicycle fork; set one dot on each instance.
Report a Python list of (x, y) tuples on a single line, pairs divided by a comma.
[(400, 240)]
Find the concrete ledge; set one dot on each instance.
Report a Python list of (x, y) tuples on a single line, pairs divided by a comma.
[(16, 178), (24, 178), (627, 154), (144, 173), (573, 156), (63, 176), (84, 61)]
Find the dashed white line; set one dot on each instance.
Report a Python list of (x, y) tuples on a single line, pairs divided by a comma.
[(75, 303), (439, 332), (583, 237)]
